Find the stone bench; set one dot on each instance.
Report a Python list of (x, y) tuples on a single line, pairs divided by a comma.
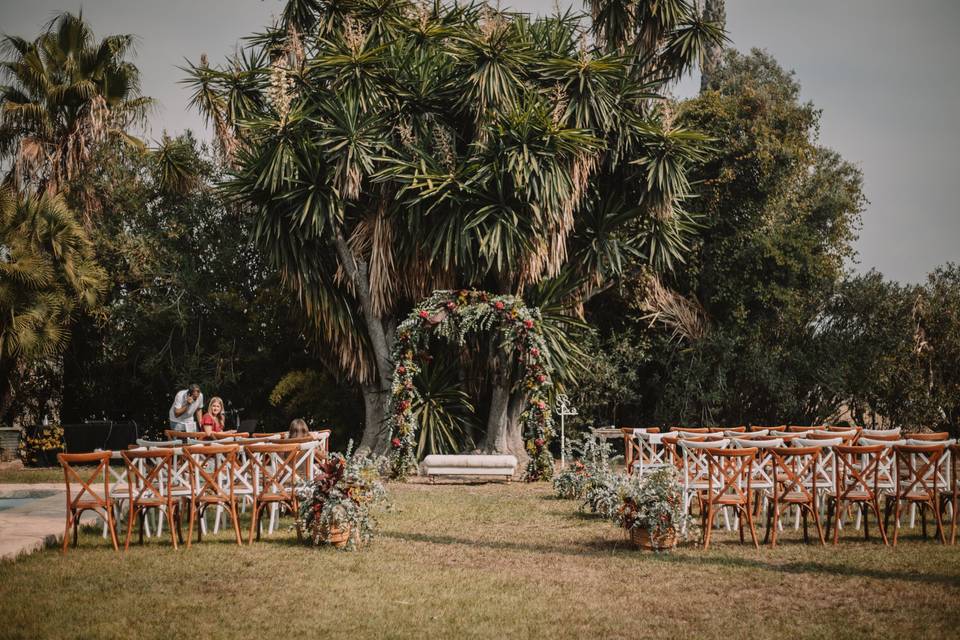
[(469, 465)]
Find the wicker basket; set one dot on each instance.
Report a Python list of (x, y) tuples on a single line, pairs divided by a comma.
[(641, 539), (339, 536)]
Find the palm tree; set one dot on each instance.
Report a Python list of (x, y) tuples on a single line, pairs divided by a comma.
[(48, 274), (399, 147), (65, 92)]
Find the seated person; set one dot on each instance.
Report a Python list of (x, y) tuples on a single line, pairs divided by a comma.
[(298, 429), (213, 420)]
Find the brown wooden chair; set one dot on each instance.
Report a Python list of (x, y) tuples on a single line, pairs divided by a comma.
[(212, 482), (173, 434), (275, 479), (91, 495), (150, 478), (934, 436), (920, 471), (795, 471), (856, 482), (221, 435), (264, 434), (729, 485), (800, 429), (691, 429)]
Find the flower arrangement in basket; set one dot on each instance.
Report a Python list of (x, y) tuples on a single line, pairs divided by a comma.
[(652, 511), (335, 507)]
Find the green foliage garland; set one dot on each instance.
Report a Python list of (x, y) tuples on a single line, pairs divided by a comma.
[(453, 315)]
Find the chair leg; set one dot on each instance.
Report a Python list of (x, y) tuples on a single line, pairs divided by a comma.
[(776, 521), (766, 535), (253, 520), (113, 527), (923, 517), (816, 522), (66, 531), (896, 520), (753, 530), (876, 511), (831, 508), (130, 519), (236, 523), (76, 530), (708, 529), (939, 518), (806, 534), (142, 518), (173, 531), (193, 510)]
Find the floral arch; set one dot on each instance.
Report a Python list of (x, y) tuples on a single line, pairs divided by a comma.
[(453, 315)]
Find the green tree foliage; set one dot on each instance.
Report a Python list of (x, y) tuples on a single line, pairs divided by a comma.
[(190, 298), (48, 275), (389, 150), (64, 93)]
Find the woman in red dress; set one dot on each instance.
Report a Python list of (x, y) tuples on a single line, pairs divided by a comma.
[(213, 419)]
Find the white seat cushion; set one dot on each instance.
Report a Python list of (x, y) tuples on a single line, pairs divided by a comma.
[(473, 461)]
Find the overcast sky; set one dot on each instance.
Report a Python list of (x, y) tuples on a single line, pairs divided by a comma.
[(886, 74)]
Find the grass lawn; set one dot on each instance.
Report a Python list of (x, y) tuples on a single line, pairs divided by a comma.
[(32, 475), (484, 561)]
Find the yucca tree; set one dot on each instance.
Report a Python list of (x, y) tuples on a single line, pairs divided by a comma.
[(64, 92), (390, 148), (48, 273)]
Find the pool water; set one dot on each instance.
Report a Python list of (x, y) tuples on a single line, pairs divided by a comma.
[(18, 501)]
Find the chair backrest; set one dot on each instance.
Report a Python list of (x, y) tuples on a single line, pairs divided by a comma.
[(274, 468), (91, 487), (223, 435), (212, 471), (732, 430), (730, 473), (848, 435), (798, 470), (742, 431), (156, 444), (921, 469), (871, 439), (764, 442), (150, 473), (857, 469), (839, 428), (931, 437), (172, 434), (691, 429), (875, 433), (798, 429), (263, 434)]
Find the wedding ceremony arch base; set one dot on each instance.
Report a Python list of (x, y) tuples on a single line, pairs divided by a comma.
[(453, 315)]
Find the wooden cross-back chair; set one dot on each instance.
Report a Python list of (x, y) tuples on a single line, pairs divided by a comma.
[(93, 494), (643, 449), (856, 482), (795, 471), (220, 435), (920, 470), (275, 479), (212, 482), (729, 480), (690, 429), (800, 429), (173, 434), (150, 480)]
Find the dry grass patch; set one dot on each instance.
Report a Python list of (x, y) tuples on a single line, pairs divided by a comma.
[(478, 561)]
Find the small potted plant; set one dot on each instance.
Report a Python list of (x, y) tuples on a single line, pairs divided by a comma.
[(652, 512), (335, 507)]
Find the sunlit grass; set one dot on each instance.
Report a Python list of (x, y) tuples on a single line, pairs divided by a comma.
[(482, 561)]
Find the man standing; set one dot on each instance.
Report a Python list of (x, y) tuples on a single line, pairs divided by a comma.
[(187, 408)]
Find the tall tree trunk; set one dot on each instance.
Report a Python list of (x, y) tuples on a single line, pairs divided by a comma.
[(504, 434), (715, 12), (376, 429), (376, 395)]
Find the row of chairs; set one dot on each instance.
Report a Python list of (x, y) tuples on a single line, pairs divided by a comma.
[(811, 470), (167, 476)]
